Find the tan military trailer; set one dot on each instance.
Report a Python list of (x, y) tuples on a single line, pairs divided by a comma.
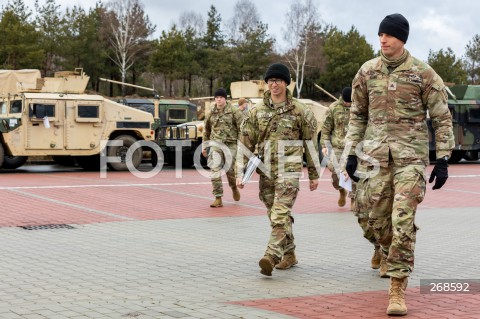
[(53, 116), (253, 92)]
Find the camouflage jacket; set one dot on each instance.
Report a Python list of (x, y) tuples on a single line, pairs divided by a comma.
[(292, 122), (335, 126), (389, 112), (222, 126)]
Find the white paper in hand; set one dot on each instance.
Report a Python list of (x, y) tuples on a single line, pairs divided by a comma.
[(252, 165), (345, 183)]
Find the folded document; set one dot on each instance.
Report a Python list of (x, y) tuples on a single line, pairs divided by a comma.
[(252, 165)]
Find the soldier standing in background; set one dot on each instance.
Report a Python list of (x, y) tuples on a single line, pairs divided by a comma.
[(222, 125), (334, 130), (243, 106), (391, 97), (274, 123)]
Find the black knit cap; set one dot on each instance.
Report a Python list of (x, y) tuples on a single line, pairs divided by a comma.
[(278, 71), (395, 25), (220, 92), (347, 94)]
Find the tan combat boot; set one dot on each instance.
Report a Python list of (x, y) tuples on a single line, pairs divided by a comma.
[(353, 206), (376, 258), (383, 266), (343, 198), (267, 263), (217, 202), (396, 303), (288, 261), (236, 194)]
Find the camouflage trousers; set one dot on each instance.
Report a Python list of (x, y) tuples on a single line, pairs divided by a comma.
[(216, 161), (394, 194), (361, 210), (279, 195), (334, 165)]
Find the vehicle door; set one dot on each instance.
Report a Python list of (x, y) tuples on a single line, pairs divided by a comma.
[(84, 124), (45, 124)]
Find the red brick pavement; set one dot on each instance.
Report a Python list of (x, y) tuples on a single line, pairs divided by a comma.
[(373, 305), (35, 198)]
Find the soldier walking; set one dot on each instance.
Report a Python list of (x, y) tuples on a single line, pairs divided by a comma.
[(275, 125), (222, 125), (334, 130), (391, 97)]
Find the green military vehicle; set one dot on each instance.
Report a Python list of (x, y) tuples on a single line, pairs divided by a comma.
[(52, 116), (464, 104), (170, 112), (175, 121)]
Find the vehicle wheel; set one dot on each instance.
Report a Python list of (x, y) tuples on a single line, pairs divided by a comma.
[(121, 152), (89, 163), (64, 160), (456, 157), (170, 158), (153, 157), (203, 161), (471, 156), (187, 161), (2, 154), (12, 162)]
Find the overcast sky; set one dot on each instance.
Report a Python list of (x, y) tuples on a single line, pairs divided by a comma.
[(434, 24)]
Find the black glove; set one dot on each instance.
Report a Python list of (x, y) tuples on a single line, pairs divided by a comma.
[(439, 173), (351, 167)]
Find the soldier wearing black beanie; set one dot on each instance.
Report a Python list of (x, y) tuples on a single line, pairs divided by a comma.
[(395, 25), (278, 71), (220, 92), (388, 91)]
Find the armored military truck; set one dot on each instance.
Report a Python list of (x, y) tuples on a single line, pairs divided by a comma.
[(464, 105), (53, 116), (172, 121), (191, 133)]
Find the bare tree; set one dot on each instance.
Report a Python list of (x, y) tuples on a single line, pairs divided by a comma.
[(129, 27), (246, 17), (302, 24), (192, 20)]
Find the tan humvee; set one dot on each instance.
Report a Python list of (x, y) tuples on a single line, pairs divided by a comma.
[(53, 116)]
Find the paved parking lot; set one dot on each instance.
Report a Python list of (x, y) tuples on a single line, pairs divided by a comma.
[(129, 247)]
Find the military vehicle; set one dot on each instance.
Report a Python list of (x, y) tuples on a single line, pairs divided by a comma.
[(170, 112), (171, 117), (52, 116), (190, 133), (464, 105)]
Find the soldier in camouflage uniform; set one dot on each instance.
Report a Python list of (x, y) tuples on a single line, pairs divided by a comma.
[(391, 97), (278, 120), (243, 106), (334, 130), (222, 126)]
